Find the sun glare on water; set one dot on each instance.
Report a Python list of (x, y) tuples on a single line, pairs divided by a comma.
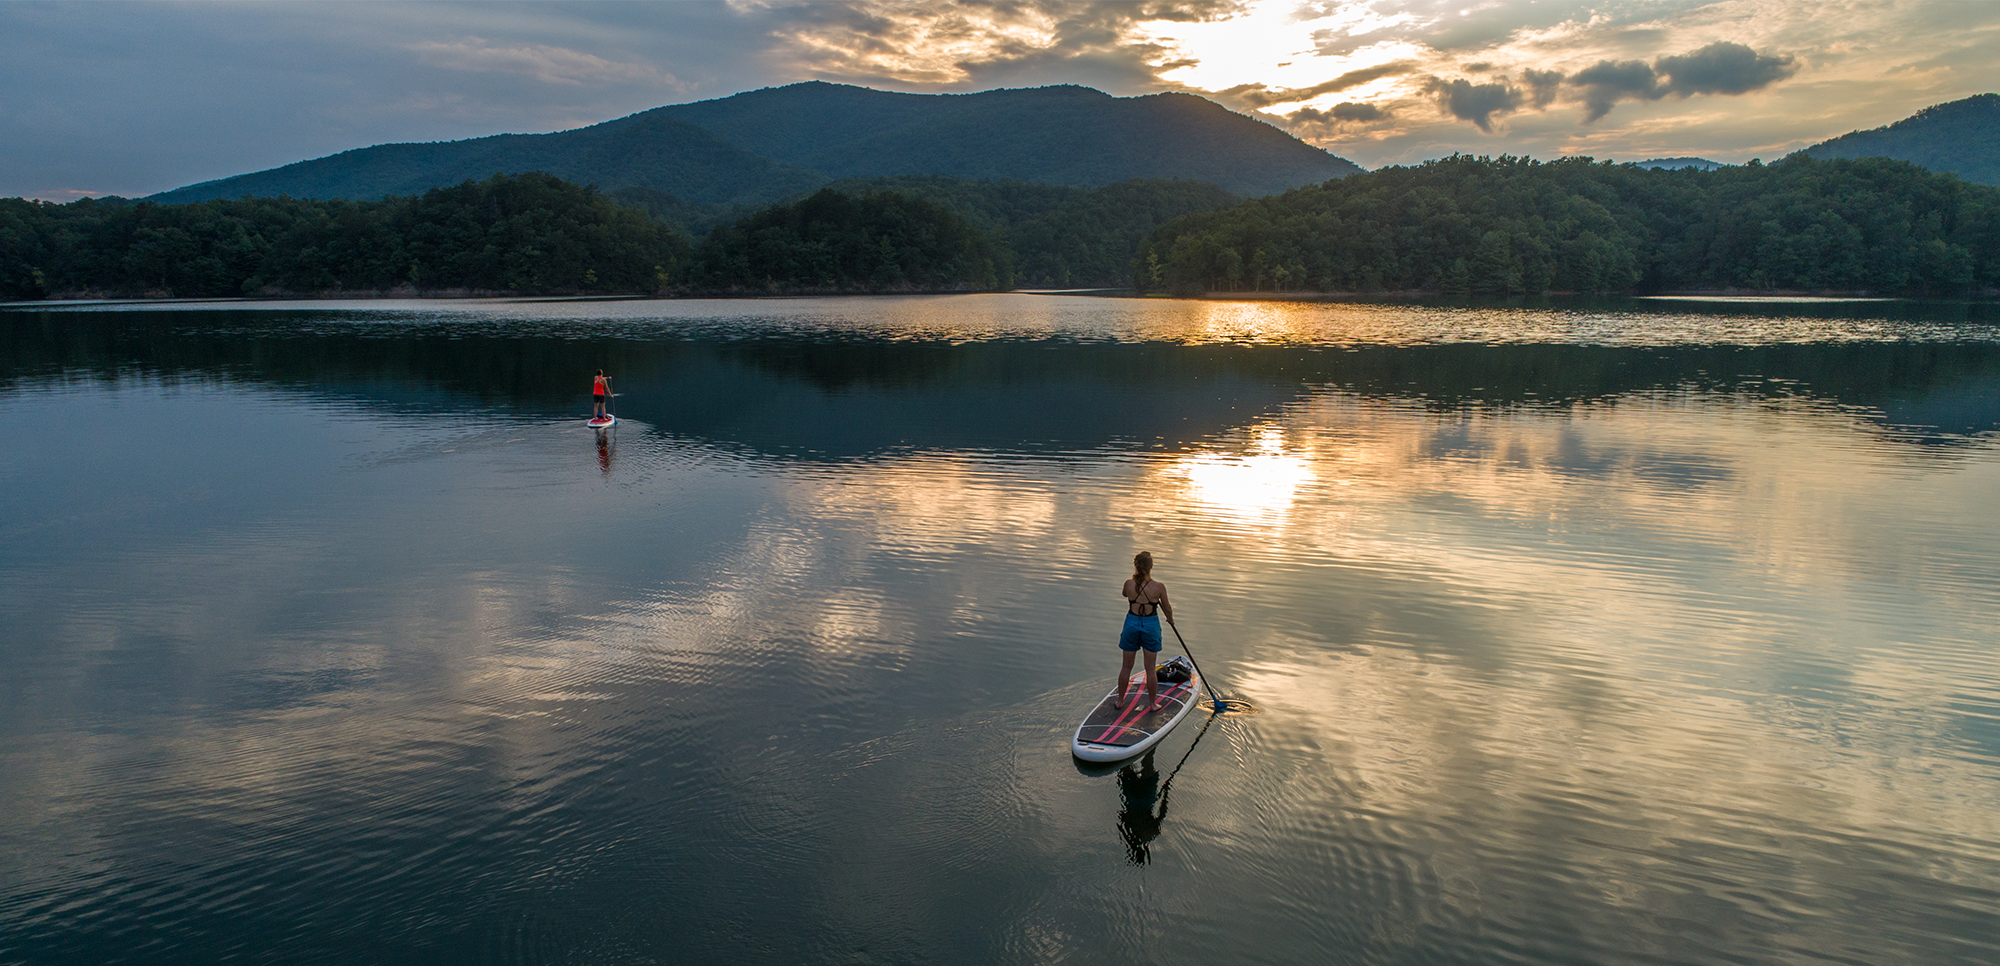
[(1257, 486)]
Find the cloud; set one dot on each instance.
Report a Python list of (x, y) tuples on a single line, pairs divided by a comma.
[(1719, 68), (1346, 112), (1259, 96), (1443, 25), (1603, 84), (1723, 68), (1543, 86), (135, 98), (932, 44), (554, 65), (1477, 103)]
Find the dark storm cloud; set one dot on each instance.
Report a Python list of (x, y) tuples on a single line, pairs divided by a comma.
[(1477, 103)]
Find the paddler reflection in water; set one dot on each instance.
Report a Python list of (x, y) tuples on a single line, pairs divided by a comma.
[(1145, 600), (1139, 792)]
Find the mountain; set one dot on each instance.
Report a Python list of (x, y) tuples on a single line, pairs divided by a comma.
[(774, 143), (1675, 164), (1962, 137), (1065, 135), (641, 151)]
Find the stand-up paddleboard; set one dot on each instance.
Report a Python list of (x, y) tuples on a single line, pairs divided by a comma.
[(1110, 734), (601, 422)]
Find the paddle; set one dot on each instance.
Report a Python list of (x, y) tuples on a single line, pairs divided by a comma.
[(1219, 705)]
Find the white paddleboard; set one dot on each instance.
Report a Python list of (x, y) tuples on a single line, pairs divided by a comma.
[(601, 422), (1110, 734)]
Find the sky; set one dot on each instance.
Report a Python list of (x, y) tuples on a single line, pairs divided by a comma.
[(133, 98)]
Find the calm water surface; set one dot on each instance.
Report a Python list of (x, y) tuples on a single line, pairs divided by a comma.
[(1625, 632)]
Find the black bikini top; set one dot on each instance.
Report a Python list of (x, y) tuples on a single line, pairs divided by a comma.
[(1134, 607)]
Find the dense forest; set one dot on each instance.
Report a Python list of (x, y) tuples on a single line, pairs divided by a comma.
[(538, 234), (1456, 226), (1058, 236), (935, 233), (527, 233), (835, 242), (1465, 225)]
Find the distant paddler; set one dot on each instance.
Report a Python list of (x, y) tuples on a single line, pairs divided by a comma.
[(1145, 601), (600, 390)]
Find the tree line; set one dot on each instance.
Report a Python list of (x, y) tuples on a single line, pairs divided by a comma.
[(1043, 235), (537, 234), (525, 233), (1496, 226), (1456, 226)]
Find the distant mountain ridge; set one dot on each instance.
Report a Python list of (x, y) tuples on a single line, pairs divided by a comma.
[(1961, 137), (765, 145), (1676, 164)]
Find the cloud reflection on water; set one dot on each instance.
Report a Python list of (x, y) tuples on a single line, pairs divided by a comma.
[(1647, 673)]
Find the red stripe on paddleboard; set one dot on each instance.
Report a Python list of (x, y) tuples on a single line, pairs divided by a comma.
[(1131, 711), (1106, 737)]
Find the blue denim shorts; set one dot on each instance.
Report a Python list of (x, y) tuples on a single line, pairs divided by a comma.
[(1140, 632)]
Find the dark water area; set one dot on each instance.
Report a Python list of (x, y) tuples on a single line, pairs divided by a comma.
[(1613, 631)]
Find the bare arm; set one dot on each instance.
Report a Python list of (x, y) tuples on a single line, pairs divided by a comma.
[(1166, 607)]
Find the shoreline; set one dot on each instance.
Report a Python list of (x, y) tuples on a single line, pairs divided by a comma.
[(465, 295)]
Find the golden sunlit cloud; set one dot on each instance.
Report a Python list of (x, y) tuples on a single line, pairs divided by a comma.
[(1391, 81)]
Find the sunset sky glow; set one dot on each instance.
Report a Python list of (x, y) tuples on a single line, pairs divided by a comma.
[(134, 98)]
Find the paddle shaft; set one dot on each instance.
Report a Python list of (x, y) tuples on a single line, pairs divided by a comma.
[(1219, 705)]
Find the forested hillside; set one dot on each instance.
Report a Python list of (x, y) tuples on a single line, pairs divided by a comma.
[(656, 153), (1962, 137), (525, 234), (1465, 225), (1063, 135), (764, 146)]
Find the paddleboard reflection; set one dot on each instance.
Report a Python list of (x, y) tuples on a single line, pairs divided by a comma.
[(1142, 796)]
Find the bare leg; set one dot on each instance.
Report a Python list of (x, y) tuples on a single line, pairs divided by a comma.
[(1152, 682), (1124, 676)]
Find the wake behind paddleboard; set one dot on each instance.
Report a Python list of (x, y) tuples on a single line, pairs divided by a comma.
[(601, 422), (1110, 734)]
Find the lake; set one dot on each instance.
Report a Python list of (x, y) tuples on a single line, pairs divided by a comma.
[(1606, 632)]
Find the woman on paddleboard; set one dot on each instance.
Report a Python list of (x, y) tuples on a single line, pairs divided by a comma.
[(600, 390), (1145, 601)]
